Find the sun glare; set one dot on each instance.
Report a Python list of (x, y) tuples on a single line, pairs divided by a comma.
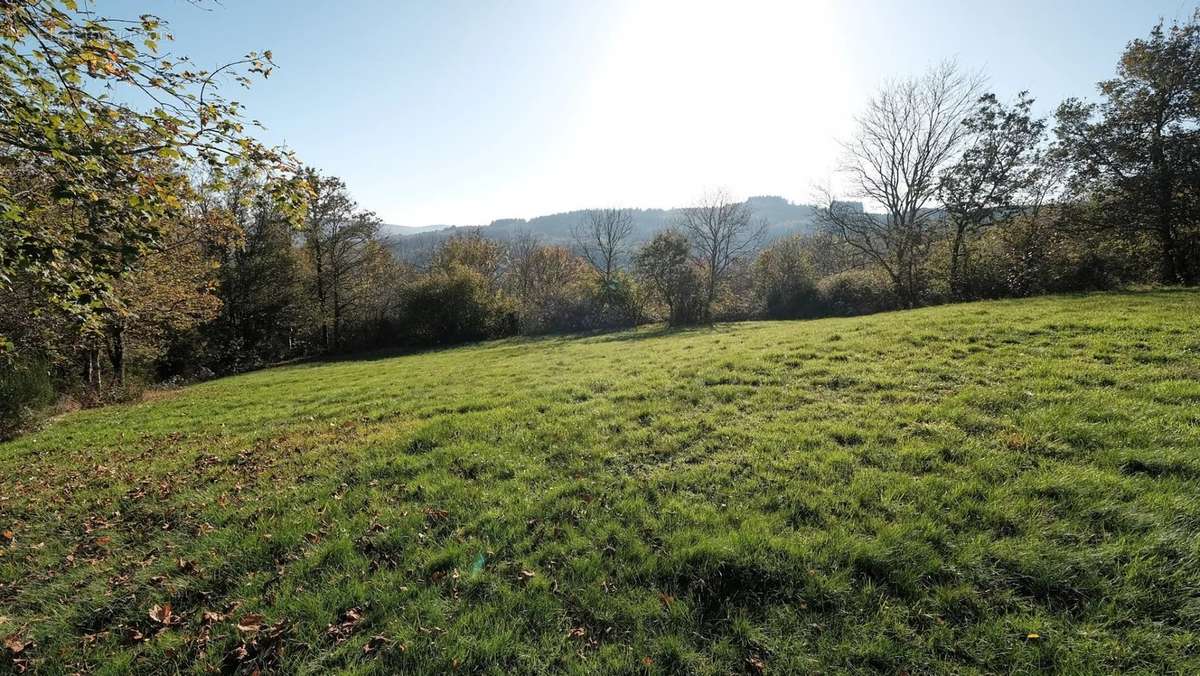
[(716, 91)]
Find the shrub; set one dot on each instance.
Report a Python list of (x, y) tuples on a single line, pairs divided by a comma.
[(856, 292), (25, 389), (619, 304), (785, 282), (1025, 258), (670, 277), (455, 304)]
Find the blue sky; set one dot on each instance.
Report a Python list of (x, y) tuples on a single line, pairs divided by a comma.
[(464, 112)]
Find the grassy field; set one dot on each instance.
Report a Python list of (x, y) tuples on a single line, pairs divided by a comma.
[(1001, 486)]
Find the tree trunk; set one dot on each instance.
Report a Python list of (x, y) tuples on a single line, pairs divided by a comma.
[(710, 292), (92, 368), (1171, 272), (116, 351), (955, 264), (335, 339)]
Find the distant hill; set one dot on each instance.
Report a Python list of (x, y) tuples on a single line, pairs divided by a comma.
[(414, 244), (393, 230)]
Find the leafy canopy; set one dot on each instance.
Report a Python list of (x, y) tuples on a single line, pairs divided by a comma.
[(99, 130)]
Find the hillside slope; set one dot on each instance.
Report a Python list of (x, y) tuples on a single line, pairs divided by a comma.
[(781, 218), (985, 487)]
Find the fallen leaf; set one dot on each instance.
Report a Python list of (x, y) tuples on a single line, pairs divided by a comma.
[(666, 599), (647, 660), (8, 535), (15, 644), (211, 617), (756, 664), (375, 643), (346, 626), (1032, 636), (251, 622), (162, 614), (578, 632)]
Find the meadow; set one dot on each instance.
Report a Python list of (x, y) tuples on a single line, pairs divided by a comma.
[(1006, 486)]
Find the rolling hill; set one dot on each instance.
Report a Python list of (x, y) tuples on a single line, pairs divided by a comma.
[(413, 244), (1001, 486)]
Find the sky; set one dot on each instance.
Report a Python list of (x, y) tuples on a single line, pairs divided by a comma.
[(463, 112)]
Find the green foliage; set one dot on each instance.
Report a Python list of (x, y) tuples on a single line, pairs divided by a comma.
[(98, 130), (618, 303), (665, 268), (785, 280), (856, 292), (26, 387), (265, 311), (1029, 256), (996, 176), (454, 304), (1004, 486), (1134, 153)]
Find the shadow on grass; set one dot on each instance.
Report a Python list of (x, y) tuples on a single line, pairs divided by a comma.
[(636, 334), (659, 330)]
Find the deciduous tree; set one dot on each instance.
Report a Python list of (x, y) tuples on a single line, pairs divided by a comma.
[(723, 232), (1137, 151), (912, 130), (994, 175), (89, 109)]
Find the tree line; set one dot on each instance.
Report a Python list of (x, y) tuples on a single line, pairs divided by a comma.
[(152, 241)]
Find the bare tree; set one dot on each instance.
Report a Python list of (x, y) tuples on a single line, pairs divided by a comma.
[(601, 238), (910, 132), (723, 232), (521, 273)]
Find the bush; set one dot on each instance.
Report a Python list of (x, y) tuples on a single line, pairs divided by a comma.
[(25, 389), (583, 307), (455, 305), (619, 305), (785, 282), (856, 292), (1025, 258), (566, 309), (671, 279)]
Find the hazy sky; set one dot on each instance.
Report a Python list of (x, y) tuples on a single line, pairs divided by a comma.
[(464, 112)]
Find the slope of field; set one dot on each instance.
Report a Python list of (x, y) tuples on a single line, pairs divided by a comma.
[(1001, 486)]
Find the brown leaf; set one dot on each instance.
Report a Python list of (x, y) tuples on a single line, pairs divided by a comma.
[(647, 660), (8, 535), (578, 632), (666, 599), (377, 642), (756, 664), (211, 617), (250, 622), (162, 614), (15, 644), (346, 625)]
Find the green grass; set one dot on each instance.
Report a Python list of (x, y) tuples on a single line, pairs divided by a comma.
[(921, 491)]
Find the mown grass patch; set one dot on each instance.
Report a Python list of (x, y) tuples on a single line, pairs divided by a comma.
[(1002, 486)]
